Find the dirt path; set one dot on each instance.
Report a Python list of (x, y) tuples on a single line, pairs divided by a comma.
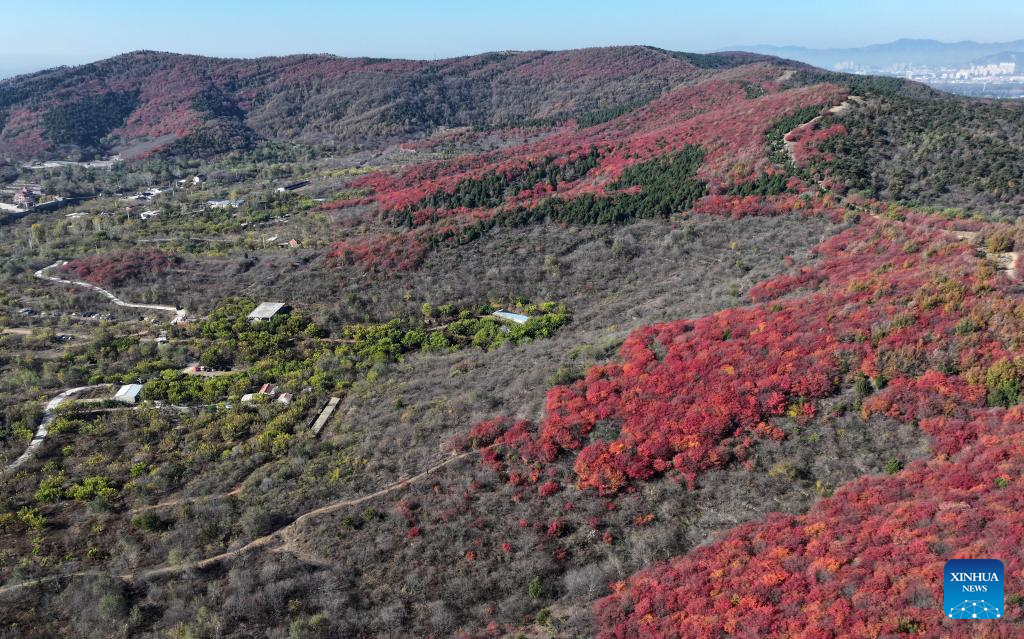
[(285, 535), (181, 501), (179, 313), (49, 415), (1007, 261), (836, 110), (1011, 269)]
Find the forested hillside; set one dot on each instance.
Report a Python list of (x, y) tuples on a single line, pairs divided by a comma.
[(322, 99), (938, 151)]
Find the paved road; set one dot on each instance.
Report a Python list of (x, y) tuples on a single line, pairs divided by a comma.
[(179, 313), (49, 415)]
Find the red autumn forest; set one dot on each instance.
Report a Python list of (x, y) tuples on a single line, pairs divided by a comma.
[(899, 302)]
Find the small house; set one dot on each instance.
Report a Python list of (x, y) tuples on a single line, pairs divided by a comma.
[(285, 398), (268, 389), (266, 310), (25, 198), (128, 394)]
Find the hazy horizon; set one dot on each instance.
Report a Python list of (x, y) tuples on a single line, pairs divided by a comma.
[(76, 33), (19, 65)]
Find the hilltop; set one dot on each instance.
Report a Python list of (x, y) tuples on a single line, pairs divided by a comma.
[(144, 101)]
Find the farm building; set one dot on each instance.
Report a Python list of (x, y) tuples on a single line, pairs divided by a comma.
[(518, 318), (292, 186), (224, 204), (268, 389), (267, 310), (129, 393), (25, 198)]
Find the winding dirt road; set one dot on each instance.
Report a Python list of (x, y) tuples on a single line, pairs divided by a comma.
[(285, 535), (49, 415), (179, 313)]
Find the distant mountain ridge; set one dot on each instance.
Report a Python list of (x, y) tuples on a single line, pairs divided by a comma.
[(138, 102), (1005, 56), (914, 51)]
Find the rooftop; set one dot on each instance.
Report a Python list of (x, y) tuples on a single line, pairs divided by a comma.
[(266, 310), (518, 318), (128, 392)]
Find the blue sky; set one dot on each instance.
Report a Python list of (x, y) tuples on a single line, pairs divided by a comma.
[(50, 31)]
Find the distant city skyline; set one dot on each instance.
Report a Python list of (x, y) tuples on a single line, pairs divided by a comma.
[(54, 32)]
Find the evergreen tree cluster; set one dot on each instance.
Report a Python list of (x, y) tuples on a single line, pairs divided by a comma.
[(667, 184), (87, 121)]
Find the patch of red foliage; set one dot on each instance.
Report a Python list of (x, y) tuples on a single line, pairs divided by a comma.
[(807, 140), (691, 395), (381, 252), (867, 562), (895, 300), (114, 269), (714, 113)]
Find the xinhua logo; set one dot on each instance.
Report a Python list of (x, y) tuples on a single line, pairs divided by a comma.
[(974, 589)]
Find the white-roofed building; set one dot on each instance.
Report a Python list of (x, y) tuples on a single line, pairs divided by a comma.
[(267, 310), (518, 318), (129, 393)]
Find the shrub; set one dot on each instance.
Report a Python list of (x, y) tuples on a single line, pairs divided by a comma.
[(999, 242), (317, 626), (91, 488), (893, 466), (32, 518), (1003, 383), (51, 488), (148, 521), (535, 589)]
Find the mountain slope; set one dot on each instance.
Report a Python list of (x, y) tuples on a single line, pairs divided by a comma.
[(208, 105)]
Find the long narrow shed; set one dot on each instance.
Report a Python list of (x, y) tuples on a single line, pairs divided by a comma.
[(518, 318)]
